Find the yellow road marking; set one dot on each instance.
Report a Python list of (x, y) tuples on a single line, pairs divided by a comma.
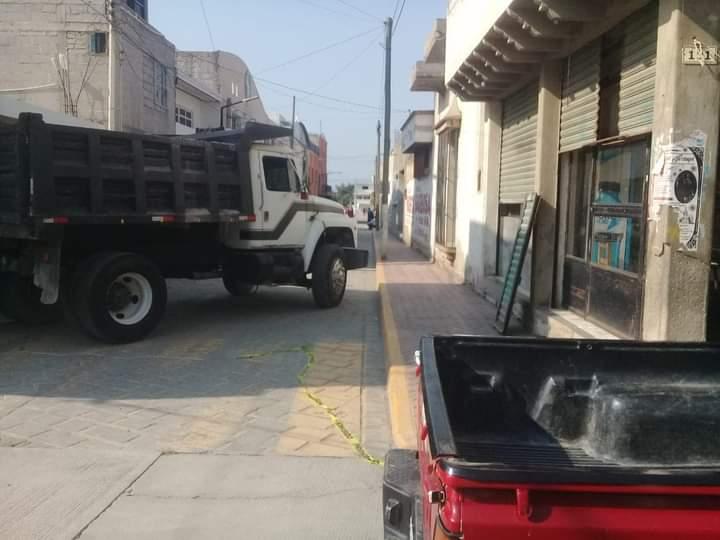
[(401, 418)]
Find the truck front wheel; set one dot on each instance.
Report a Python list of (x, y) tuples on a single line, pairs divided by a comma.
[(329, 276), (20, 301), (119, 297)]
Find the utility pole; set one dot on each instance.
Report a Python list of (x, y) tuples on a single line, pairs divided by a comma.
[(378, 184), (292, 137), (386, 149)]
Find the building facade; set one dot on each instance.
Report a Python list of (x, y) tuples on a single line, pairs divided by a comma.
[(317, 164), (86, 59), (566, 99), (197, 106), (227, 75)]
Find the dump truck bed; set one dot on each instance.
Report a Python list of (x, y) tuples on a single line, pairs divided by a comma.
[(63, 174)]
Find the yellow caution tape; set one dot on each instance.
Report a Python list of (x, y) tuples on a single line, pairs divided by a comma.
[(329, 411)]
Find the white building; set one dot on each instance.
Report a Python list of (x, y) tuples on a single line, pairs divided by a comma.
[(362, 201)]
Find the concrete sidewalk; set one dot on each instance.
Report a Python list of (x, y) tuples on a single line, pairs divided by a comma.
[(420, 298)]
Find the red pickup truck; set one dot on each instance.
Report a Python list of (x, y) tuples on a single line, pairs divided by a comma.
[(562, 440)]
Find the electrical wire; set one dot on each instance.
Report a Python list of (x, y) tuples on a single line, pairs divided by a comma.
[(316, 51), (344, 15), (344, 3), (397, 21), (397, 4), (347, 65), (207, 24)]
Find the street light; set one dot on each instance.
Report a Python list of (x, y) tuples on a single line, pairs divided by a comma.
[(223, 107)]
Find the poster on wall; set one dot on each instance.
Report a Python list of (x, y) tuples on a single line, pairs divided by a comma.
[(677, 182)]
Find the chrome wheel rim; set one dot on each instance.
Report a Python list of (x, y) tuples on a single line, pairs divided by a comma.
[(338, 276)]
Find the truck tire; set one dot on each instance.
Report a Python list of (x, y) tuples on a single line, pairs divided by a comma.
[(119, 297), (329, 276), (20, 301), (236, 287)]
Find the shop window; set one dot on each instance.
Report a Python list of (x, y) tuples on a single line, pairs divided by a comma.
[(621, 172), (616, 242), (580, 166)]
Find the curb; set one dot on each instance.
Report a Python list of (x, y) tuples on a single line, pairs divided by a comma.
[(399, 372)]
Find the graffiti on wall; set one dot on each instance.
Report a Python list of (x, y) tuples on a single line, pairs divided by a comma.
[(421, 211)]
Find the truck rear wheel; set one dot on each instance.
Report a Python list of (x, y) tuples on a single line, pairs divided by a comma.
[(20, 301), (329, 276), (119, 297)]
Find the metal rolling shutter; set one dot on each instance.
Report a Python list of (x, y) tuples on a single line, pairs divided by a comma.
[(637, 78), (580, 98), (517, 149)]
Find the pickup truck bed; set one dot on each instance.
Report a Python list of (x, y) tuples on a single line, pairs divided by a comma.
[(568, 439)]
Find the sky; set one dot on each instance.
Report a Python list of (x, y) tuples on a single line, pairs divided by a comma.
[(270, 35)]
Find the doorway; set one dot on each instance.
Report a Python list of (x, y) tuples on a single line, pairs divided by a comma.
[(605, 235)]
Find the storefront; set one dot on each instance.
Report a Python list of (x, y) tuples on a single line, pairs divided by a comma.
[(605, 132)]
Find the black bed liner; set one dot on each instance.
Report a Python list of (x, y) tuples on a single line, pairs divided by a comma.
[(565, 411)]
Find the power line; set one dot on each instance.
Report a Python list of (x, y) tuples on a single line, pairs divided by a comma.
[(344, 3), (344, 15), (347, 65), (207, 24), (397, 4), (316, 51), (307, 92), (201, 59), (397, 21)]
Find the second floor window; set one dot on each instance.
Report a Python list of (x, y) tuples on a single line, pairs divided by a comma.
[(183, 117), (161, 90), (139, 7)]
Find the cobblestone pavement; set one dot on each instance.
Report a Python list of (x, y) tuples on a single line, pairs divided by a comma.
[(219, 375)]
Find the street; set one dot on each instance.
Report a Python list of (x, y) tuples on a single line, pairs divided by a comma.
[(257, 417)]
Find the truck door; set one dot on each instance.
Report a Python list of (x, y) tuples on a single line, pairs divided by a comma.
[(284, 215)]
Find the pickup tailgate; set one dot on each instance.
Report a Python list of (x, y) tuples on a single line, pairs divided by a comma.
[(567, 439)]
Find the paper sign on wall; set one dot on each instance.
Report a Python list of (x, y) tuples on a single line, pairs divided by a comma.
[(677, 182)]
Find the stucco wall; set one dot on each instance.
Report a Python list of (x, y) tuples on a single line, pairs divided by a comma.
[(205, 115), (470, 216), (141, 49), (228, 75), (32, 32)]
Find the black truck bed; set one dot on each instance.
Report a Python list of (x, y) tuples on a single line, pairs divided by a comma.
[(557, 411), (98, 176)]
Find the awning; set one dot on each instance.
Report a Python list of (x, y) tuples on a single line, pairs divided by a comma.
[(528, 33)]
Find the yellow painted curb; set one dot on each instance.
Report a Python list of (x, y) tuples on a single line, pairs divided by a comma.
[(402, 422)]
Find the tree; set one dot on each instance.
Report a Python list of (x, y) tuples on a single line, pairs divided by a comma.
[(344, 194)]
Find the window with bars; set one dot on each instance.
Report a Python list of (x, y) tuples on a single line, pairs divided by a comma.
[(183, 117), (161, 85)]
